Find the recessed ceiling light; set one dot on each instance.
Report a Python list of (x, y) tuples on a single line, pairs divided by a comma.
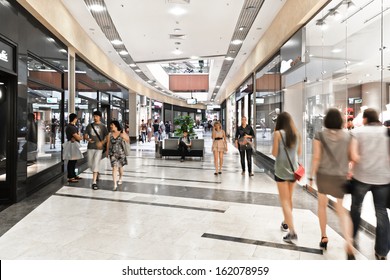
[(236, 42), (50, 39), (177, 52), (218, 86), (132, 65), (150, 81), (176, 30), (116, 42), (63, 50), (194, 57), (96, 8), (242, 28), (123, 52), (337, 50), (177, 11), (229, 58), (138, 70)]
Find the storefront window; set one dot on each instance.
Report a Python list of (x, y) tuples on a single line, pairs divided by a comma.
[(244, 100), (41, 147), (339, 73), (268, 104)]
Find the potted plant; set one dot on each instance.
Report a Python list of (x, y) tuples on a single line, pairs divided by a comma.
[(184, 123)]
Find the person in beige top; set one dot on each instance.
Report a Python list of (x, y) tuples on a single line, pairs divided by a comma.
[(219, 146), (330, 170)]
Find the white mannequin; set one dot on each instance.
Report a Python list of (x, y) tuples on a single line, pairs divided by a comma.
[(274, 114), (358, 120), (385, 115)]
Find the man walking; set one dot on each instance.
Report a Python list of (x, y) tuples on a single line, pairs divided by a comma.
[(95, 134)]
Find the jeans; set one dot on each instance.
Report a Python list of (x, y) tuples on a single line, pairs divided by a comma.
[(248, 159), (380, 194), (143, 136)]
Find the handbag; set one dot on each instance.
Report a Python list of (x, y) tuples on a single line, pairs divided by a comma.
[(244, 143), (71, 151), (347, 185), (300, 171), (126, 147)]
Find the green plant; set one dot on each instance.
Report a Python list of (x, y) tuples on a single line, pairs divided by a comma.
[(184, 123)]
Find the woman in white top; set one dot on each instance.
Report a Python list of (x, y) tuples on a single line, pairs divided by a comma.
[(219, 146)]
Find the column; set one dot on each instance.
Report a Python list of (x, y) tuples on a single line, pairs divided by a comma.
[(133, 116), (71, 80)]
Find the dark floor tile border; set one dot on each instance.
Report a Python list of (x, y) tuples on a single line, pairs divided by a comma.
[(192, 167), (165, 178), (142, 203), (290, 247)]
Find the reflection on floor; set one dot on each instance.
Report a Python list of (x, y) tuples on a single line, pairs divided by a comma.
[(166, 209)]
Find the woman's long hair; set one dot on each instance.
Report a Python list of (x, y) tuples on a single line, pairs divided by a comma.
[(285, 122)]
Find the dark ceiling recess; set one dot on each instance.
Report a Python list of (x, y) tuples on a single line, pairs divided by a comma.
[(248, 14)]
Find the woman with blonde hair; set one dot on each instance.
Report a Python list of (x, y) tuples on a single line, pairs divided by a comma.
[(219, 146), (286, 140)]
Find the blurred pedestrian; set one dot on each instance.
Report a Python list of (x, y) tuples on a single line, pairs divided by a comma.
[(371, 172), (330, 168)]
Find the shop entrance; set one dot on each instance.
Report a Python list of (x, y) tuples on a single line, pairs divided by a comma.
[(5, 136)]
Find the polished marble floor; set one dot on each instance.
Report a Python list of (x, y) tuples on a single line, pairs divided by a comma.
[(167, 209)]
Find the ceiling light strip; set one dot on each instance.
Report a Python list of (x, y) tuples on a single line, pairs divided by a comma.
[(104, 20)]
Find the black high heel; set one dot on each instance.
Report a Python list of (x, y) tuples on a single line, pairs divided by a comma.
[(324, 244), (350, 257)]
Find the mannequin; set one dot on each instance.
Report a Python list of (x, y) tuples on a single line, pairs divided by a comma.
[(385, 115), (274, 114), (358, 121)]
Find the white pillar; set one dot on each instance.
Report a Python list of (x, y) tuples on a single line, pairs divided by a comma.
[(133, 115), (71, 80)]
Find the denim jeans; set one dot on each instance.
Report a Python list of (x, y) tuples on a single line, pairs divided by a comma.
[(380, 194)]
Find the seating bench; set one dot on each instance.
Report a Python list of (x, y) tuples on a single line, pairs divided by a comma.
[(170, 148)]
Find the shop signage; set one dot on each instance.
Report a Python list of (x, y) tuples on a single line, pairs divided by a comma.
[(7, 56)]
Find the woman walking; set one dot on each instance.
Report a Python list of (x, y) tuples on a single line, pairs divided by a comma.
[(286, 140), (330, 167), (219, 146), (116, 152), (244, 138)]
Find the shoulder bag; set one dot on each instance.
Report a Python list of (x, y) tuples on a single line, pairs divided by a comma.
[(300, 172), (126, 147), (347, 185)]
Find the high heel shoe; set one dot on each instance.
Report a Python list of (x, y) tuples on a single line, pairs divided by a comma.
[(115, 188), (350, 257), (324, 244)]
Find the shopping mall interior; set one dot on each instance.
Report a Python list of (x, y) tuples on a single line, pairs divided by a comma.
[(170, 61)]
